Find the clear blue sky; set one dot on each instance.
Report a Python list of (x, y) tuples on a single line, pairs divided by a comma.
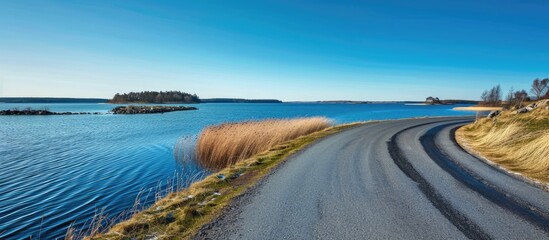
[(290, 50)]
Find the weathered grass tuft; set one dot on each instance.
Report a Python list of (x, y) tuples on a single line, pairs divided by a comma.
[(518, 142), (226, 144)]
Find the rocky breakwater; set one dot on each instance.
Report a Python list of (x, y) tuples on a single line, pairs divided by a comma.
[(149, 109), (27, 112)]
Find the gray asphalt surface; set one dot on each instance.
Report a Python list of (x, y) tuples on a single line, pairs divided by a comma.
[(403, 179)]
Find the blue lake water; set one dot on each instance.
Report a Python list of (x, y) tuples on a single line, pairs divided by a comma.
[(61, 170)]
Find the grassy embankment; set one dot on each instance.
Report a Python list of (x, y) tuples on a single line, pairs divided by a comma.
[(269, 143), (518, 142)]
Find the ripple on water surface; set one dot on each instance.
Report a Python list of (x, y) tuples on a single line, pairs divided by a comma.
[(58, 170)]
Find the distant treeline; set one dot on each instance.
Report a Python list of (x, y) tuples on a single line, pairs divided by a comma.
[(51, 100), (155, 97), (239, 100), (515, 99)]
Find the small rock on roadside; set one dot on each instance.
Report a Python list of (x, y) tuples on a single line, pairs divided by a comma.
[(494, 114), (169, 218), (525, 109)]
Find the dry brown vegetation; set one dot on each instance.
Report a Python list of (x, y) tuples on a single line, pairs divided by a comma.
[(181, 214), (226, 144), (517, 142)]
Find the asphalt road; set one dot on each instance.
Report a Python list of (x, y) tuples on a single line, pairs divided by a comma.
[(403, 179)]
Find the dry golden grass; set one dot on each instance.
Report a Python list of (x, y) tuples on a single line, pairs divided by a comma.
[(224, 145), (181, 214), (518, 142)]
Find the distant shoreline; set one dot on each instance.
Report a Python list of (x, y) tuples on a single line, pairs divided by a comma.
[(51, 100), (23, 100), (238, 100)]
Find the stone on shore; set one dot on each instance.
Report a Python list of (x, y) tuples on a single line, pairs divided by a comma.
[(30, 112), (525, 109), (26, 112)]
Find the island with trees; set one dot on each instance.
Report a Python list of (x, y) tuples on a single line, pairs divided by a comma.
[(155, 97)]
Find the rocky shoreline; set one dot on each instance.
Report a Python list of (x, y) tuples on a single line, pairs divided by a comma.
[(41, 112), (149, 109)]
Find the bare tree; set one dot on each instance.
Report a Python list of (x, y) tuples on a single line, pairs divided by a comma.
[(539, 87), (495, 95), (515, 99), (484, 97), (546, 80), (521, 95), (510, 97), (492, 97)]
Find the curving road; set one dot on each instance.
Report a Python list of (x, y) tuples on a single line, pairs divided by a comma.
[(403, 179)]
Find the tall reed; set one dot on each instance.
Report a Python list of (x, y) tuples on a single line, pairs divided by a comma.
[(223, 145)]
